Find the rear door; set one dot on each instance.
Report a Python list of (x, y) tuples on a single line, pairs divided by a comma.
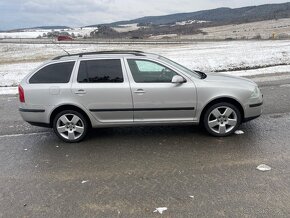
[(103, 88)]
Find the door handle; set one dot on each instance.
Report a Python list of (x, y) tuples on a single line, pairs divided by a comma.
[(139, 91), (80, 92)]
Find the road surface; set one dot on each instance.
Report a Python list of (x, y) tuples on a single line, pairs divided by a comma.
[(129, 172)]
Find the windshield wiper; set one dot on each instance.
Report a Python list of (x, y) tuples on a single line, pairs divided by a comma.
[(202, 74)]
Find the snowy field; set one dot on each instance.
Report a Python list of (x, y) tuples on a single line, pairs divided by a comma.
[(34, 33), (242, 58), (265, 29)]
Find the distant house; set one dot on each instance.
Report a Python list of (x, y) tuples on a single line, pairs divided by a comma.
[(64, 38)]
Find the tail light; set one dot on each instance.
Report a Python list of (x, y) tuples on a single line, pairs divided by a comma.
[(21, 94)]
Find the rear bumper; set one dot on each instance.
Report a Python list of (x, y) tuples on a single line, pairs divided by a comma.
[(46, 125), (31, 110), (34, 116)]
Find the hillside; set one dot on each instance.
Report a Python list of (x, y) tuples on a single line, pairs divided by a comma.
[(269, 21), (217, 16)]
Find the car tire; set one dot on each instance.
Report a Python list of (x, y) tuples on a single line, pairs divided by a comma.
[(70, 126), (222, 119)]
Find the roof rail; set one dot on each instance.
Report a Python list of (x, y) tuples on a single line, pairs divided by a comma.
[(132, 52)]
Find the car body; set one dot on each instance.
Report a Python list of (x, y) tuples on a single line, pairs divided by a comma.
[(125, 88)]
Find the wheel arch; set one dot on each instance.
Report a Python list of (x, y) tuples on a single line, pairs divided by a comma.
[(223, 99), (68, 107)]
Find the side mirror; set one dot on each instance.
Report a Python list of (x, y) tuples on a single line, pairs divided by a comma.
[(178, 79)]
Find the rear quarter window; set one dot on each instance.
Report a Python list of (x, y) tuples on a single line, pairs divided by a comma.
[(53, 73)]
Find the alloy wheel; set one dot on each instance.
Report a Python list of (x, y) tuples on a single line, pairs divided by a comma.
[(70, 126), (222, 120)]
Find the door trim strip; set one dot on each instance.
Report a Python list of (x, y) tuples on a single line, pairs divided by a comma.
[(144, 109)]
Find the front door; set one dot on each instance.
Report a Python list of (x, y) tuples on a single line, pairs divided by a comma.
[(155, 97)]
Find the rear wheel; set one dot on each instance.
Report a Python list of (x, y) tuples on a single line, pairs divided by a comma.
[(222, 119), (70, 126)]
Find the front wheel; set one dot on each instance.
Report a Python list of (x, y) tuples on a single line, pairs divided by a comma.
[(70, 126), (222, 119)]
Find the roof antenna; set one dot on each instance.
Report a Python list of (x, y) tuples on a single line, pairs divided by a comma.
[(59, 46)]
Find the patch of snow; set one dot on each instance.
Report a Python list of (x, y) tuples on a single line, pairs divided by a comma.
[(264, 167), (8, 90), (186, 22), (214, 56), (126, 27), (84, 181), (81, 32), (12, 74), (34, 33), (160, 210), (239, 132), (129, 25), (285, 86), (26, 34)]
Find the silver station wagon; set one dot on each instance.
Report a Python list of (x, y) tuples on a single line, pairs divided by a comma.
[(76, 92)]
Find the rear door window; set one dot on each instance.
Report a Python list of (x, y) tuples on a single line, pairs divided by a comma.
[(100, 71), (54, 73)]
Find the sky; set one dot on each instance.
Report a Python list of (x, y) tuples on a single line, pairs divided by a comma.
[(31, 13)]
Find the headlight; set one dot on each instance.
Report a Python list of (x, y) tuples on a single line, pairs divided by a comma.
[(255, 93)]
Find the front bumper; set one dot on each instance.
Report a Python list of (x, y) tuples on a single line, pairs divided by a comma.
[(254, 107), (250, 118), (253, 110)]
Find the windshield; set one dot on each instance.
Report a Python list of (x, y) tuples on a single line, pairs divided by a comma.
[(182, 68)]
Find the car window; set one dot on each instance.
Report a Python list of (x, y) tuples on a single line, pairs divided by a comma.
[(54, 73), (180, 67), (145, 71), (100, 71)]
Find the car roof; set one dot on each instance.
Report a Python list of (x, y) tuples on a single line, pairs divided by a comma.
[(111, 53)]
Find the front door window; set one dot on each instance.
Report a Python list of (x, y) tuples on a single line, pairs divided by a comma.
[(145, 71)]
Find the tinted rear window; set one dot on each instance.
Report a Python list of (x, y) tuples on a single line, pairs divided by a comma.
[(100, 71), (54, 73)]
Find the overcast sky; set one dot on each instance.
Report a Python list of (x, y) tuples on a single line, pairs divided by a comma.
[(31, 13)]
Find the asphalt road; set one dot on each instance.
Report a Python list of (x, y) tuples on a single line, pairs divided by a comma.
[(128, 172)]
